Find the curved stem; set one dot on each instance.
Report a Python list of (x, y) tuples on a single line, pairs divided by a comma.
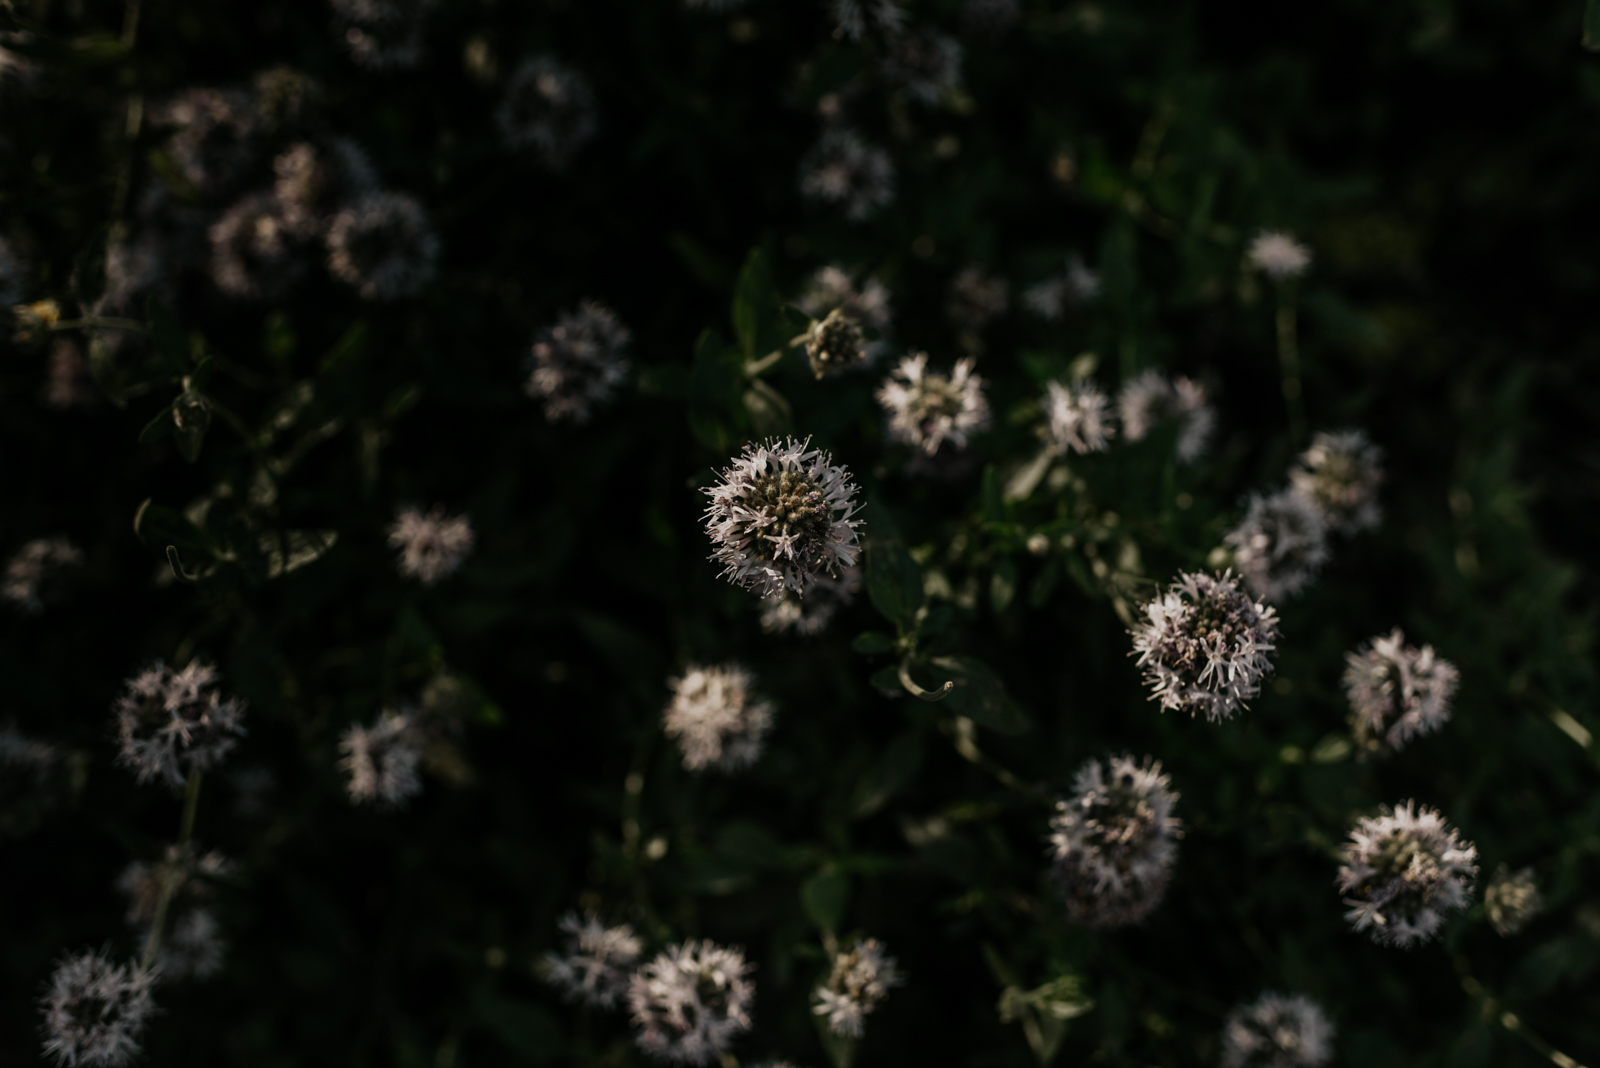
[(962, 735), (1508, 1019), (917, 691)]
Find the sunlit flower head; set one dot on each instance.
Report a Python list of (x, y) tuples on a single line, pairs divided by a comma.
[(927, 65), (34, 577), (1205, 645), (810, 615), (577, 364), (1511, 900), (1114, 841), (1277, 1031), (927, 409), (861, 978), (1280, 545), (1052, 298), (843, 169), (381, 761), (171, 723), (432, 544), (691, 1001), (781, 516), (1341, 473), (716, 717), (1405, 870), (1077, 418), (854, 17), (95, 1011), (383, 245), (1397, 691), (976, 298), (595, 962), (835, 343), (381, 34), (1152, 398), (549, 108), (1278, 255)]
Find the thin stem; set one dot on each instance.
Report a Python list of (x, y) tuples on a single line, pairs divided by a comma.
[(169, 881), (1508, 1019), (99, 322), (1289, 363), (961, 736)]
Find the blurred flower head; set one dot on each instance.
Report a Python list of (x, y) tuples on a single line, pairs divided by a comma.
[(171, 723), (927, 409), (860, 979), (843, 169), (1341, 473), (1278, 255), (975, 298), (1114, 841), (781, 517), (1053, 297), (835, 343), (1404, 870), (95, 1011), (192, 946), (432, 544), (35, 576), (1397, 691), (258, 247), (991, 17), (716, 717), (852, 17), (213, 138), (1280, 545), (548, 107), (1152, 398), (1277, 1031), (383, 245), (595, 962), (810, 614), (1204, 645), (381, 34), (67, 382), (381, 760), (834, 287), (1077, 418), (577, 365), (691, 1000), (1512, 899), (927, 65)]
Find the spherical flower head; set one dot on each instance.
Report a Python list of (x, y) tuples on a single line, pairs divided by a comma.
[(1397, 691), (381, 761), (171, 723), (810, 615), (578, 364), (11, 276), (1152, 398), (975, 298), (1404, 870), (381, 34), (843, 169), (1277, 1031), (34, 576), (1341, 473), (716, 717), (835, 343), (432, 544), (383, 245), (691, 1000), (1114, 841), (95, 1011), (852, 17), (595, 963), (927, 65), (1511, 900), (1078, 418), (1278, 255), (1205, 645), (1280, 545), (834, 287), (781, 517), (927, 409), (257, 247), (861, 978), (1052, 298), (548, 108), (214, 136)]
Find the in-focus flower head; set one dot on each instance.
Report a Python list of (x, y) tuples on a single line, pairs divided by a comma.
[(834, 287), (1280, 545), (95, 1011), (1277, 1031), (781, 516), (853, 17), (432, 544), (383, 245), (691, 1000), (171, 723), (1397, 691), (716, 717), (861, 978), (835, 343), (258, 246), (1078, 418), (381, 760), (34, 576), (810, 615), (1052, 298), (1341, 473), (1512, 899), (595, 962), (1152, 398), (548, 107), (1205, 645), (381, 34), (927, 409), (1278, 255), (926, 64), (843, 169), (577, 364), (1114, 841), (1404, 870), (11, 276), (975, 298), (214, 136)]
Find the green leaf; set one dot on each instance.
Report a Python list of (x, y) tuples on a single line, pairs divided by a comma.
[(872, 643), (899, 767), (825, 896), (751, 298), (980, 695), (894, 581), (89, 274), (191, 418), (886, 680), (157, 527), (994, 507), (1591, 25), (347, 351), (157, 428), (526, 1028), (716, 408), (170, 343), (290, 550)]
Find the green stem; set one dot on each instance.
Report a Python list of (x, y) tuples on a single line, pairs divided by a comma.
[(1289, 363), (99, 322), (169, 881)]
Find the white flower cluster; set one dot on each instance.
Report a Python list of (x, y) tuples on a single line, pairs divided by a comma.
[(1077, 418), (927, 409), (1397, 691), (860, 979), (1340, 473), (1404, 870), (95, 1011), (381, 34), (548, 107), (691, 1001), (716, 717), (1278, 255), (1052, 298), (577, 365), (867, 301), (171, 723), (975, 298), (1280, 545), (835, 343), (1511, 900), (925, 64), (33, 576), (381, 760), (1205, 646), (432, 544), (1277, 1031), (1114, 841), (1152, 398), (843, 169), (596, 963), (383, 245)]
